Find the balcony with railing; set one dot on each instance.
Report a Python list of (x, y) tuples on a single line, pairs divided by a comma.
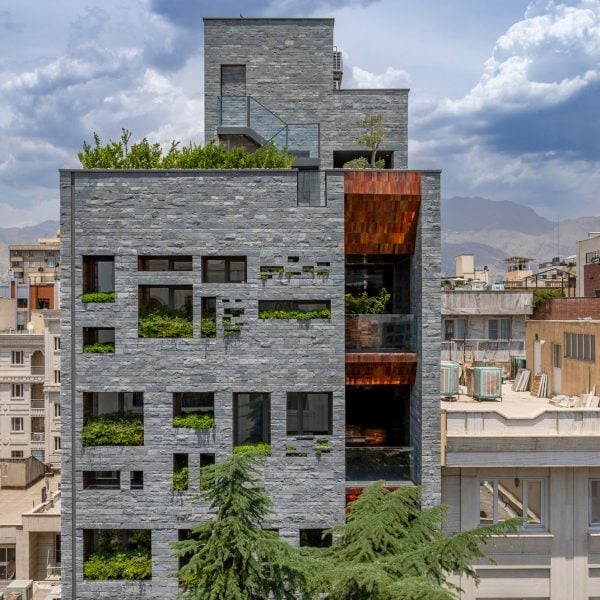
[(38, 437), (244, 115)]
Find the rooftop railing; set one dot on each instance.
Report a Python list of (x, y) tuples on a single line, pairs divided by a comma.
[(302, 140), (481, 349)]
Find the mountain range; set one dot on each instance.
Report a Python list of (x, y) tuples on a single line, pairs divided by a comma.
[(491, 230), (494, 230)]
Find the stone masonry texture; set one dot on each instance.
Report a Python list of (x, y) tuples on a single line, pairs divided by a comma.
[(252, 214)]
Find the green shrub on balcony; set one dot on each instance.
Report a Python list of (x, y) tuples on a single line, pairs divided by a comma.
[(194, 421), (90, 297), (143, 155), (363, 304), (301, 315), (122, 564), (208, 327), (100, 348), (180, 480), (113, 430), (261, 448), (162, 323)]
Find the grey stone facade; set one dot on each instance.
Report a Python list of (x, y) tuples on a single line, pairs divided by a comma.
[(289, 70), (254, 214)]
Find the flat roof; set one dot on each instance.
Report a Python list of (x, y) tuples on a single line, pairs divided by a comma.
[(514, 405), (271, 20), (15, 502)]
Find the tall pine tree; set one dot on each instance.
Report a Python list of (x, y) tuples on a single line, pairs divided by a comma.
[(231, 557)]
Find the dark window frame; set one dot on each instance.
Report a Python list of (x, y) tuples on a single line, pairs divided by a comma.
[(171, 260), (300, 429), (90, 273), (265, 415), (227, 268)]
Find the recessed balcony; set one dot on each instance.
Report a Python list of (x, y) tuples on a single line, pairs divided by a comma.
[(367, 464)]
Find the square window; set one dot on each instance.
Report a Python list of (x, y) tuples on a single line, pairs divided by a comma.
[(309, 413), (251, 418), (228, 269)]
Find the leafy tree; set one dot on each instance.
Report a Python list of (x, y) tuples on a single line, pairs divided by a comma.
[(391, 549), (143, 155), (372, 138), (231, 557), (542, 295)]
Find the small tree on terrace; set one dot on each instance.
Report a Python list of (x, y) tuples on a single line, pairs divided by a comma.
[(372, 138), (231, 557)]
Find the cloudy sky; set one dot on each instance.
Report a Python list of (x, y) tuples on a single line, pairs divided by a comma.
[(505, 95)]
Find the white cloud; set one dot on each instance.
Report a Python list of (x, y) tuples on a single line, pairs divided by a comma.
[(390, 78)]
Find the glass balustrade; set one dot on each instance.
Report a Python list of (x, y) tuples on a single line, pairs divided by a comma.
[(380, 333)]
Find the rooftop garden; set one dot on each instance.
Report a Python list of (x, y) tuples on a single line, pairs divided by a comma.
[(144, 155)]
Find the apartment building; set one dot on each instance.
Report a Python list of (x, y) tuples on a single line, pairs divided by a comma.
[(342, 399), (35, 263), (484, 325), (30, 389)]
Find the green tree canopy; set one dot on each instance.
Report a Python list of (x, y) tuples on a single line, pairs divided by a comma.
[(231, 557)]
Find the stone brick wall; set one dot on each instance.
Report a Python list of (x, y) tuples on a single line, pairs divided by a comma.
[(567, 309), (253, 214), (289, 69), (425, 305), (591, 279)]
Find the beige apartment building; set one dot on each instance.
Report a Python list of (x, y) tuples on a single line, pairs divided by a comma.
[(30, 390), (35, 263)]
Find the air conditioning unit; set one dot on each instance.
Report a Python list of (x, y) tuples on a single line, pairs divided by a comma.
[(487, 383), (450, 373)]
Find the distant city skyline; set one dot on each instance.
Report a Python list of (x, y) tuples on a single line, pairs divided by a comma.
[(503, 96)]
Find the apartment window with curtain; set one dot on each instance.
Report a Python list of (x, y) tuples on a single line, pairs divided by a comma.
[(309, 413), (500, 329), (251, 418)]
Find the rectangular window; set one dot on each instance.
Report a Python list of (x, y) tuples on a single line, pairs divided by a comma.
[(309, 188), (580, 346), (208, 321), (16, 357), (17, 424), (193, 402), (164, 263), (226, 269), (251, 418), (594, 502), (16, 453), (56, 376), (57, 409), (137, 480), (556, 356), (180, 472), (503, 499), (98, 274), (16, 390), (57, 442), (315, 538), (57, 553), (101, 480), (500, 329), (309, 413), (57, 342), (21, 302), (168, 299), (113, 541), (98, 340), (8, 556), (455, 329)]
